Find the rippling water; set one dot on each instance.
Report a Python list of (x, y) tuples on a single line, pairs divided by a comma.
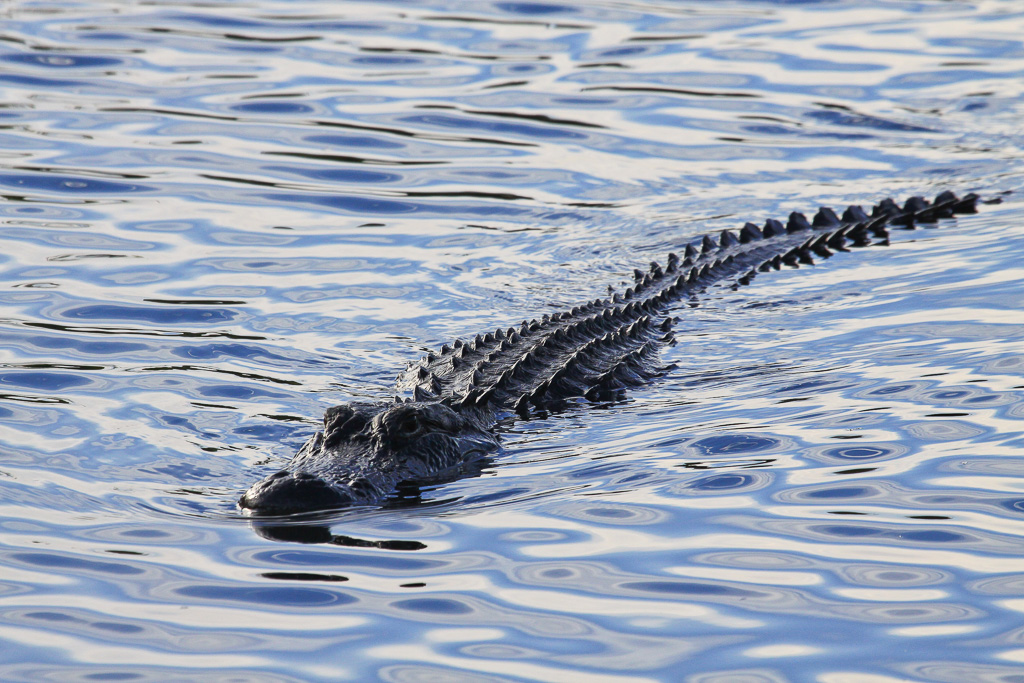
[(218, 219)]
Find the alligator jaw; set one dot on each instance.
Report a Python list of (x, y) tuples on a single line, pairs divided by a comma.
[(284, 493)]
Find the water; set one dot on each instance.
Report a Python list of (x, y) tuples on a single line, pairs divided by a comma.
[(219, 219)]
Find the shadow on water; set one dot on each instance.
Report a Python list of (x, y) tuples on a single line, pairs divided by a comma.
[(312, 533)]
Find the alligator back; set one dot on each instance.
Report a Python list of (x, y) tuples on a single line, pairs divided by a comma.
[(599, 349)]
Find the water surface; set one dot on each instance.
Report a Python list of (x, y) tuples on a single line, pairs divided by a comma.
[(219, 219)]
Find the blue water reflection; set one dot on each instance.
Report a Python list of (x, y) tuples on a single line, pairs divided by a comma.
[(218, 219)]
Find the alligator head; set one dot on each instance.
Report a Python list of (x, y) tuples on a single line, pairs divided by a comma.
[(366, 449)]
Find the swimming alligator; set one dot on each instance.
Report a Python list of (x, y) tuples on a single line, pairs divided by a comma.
[(595, 351)]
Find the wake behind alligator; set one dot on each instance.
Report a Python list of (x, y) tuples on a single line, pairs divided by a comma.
[(594, 351)]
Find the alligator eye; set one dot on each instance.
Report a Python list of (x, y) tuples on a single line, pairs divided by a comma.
[(409, 426)]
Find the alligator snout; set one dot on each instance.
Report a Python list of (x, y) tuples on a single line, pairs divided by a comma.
[(289, 492)]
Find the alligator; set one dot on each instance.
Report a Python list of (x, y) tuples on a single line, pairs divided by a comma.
[(595, 351)]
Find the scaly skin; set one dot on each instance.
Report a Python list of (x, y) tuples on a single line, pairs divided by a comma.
[(594, 351)]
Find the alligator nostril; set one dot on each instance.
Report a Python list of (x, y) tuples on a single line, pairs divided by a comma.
[(304, 475), (278, 475)]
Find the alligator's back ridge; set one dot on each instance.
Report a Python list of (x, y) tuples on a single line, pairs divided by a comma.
[(607, 345), (593, 351)]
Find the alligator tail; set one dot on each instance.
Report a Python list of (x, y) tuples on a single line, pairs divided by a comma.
[(756, 250), (605, 346)]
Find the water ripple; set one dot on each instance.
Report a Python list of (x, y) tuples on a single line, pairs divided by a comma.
[(218, 219)]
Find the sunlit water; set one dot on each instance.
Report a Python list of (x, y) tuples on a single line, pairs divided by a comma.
[(219, 219)]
